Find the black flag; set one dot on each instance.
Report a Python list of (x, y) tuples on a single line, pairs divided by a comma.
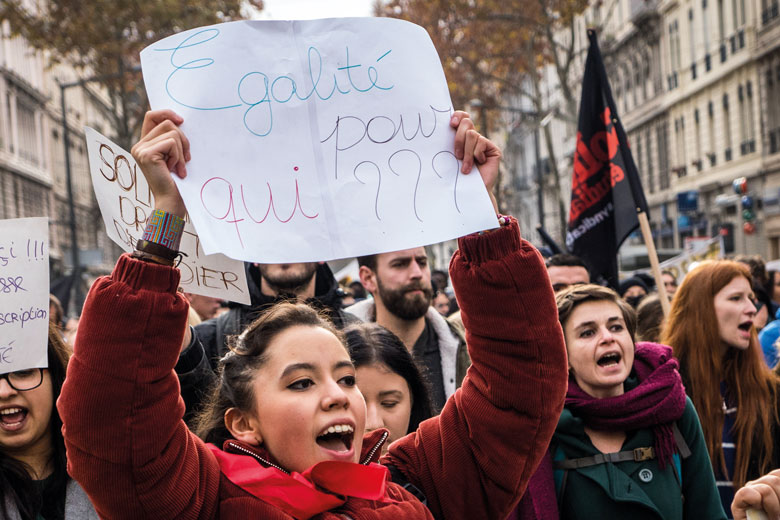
[(606, 192)]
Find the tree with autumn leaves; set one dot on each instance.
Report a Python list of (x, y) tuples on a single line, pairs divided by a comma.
[(103, 38), (495, 50)]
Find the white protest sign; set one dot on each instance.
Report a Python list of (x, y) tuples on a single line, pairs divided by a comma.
[(24, 293), (679, 266), (126, 201), (315, 140)]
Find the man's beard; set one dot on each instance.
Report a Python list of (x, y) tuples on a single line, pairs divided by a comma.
[(406, 308), (289, 280)]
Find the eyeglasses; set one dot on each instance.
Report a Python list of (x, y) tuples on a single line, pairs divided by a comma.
[(23, 380)]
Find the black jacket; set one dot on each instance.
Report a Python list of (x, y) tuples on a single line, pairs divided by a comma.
[(198, 362)]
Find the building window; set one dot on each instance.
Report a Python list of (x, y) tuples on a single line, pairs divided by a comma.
[(697, 161), (722, 31), (750, 119), (773, 110), (35, 199), (8, 128), (627, 86), (738, 16), (4, 211), (711, 133), (674, 49), (663, 156), (769, 10), (679, 140), (649, 165), (738, 8), (28, 136), (637, 140), (638, 82), (745, 96), (692, 43), (726, 127)]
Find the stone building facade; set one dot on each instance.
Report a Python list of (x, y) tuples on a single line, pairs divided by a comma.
[(32, 156), (697, 84)]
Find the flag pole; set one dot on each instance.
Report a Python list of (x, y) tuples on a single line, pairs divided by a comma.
[(644, 225)]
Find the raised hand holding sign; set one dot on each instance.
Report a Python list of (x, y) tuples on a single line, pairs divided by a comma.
[(126, 201)]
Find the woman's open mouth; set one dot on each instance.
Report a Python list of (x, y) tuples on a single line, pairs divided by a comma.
[(337, 438), (745, 327), (610, 361), (12, 418)]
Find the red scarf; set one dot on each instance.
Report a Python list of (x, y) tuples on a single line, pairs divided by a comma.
[(320, 488), (657, 402)]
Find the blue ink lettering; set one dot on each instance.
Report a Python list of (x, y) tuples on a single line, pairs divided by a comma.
[(282, 89)]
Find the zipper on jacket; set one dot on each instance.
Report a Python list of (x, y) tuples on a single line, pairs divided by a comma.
[(373, 450), (258, 457)]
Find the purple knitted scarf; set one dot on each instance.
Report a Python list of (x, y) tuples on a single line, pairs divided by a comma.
[(657, 402)]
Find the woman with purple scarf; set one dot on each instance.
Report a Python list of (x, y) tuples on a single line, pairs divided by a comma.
[(628, 443)]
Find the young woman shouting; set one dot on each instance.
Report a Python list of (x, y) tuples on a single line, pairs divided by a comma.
[(293, 420)]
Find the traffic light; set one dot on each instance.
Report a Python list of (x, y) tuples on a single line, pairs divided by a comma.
[(726, 230), (748, 211)]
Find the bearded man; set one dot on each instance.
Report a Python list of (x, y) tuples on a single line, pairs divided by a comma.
[(400, 283)]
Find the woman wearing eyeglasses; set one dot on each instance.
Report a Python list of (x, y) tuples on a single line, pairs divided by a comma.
[(34, 483)]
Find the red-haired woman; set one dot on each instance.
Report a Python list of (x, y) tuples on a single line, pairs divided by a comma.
[(711, 330)]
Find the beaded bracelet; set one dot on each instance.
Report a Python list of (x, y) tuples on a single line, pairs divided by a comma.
[(161, 239)]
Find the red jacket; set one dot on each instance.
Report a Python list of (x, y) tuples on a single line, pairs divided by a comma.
[(132, 453)]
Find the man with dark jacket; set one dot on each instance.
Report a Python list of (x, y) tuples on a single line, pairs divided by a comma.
[(204, 344)]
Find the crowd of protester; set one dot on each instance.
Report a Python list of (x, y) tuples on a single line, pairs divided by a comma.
[(510, 387)]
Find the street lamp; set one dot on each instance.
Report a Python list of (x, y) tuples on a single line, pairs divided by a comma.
[(77, 297), (74, 249)]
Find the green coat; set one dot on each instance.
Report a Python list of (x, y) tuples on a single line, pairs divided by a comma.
[(628, 489)]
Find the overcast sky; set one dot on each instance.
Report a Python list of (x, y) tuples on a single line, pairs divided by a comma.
[(307, 9)]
